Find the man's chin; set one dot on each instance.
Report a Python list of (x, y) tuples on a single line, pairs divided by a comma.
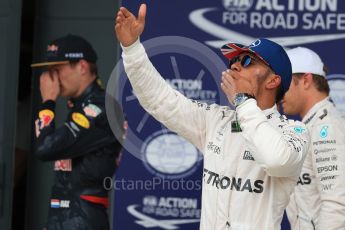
[(288, 112), (63, 94), (285, 109)]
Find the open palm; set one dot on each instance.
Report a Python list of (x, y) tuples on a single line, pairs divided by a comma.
[(127, 27)]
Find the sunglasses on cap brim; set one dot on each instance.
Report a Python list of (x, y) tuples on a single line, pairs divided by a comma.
[(245, 61)]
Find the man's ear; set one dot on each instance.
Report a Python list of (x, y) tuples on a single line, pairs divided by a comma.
[(84, 66), (307, 80), (273, 81)]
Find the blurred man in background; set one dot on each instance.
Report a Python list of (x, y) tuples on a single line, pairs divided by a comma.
[(319, 198), (84, 149)]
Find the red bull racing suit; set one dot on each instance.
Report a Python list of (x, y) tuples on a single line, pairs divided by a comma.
[(85, 151)]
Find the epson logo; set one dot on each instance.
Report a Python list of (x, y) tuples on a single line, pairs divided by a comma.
[(328, 168), (237, 5)]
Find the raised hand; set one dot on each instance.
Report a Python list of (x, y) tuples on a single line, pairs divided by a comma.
[(127, 27), (49, 85), (232, 84)]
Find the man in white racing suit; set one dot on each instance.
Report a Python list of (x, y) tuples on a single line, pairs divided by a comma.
[(319, 198), (252, 155)]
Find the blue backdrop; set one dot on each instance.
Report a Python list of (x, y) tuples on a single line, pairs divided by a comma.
[(158, 185)]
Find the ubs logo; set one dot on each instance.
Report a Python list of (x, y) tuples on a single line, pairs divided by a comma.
[(237, 5)]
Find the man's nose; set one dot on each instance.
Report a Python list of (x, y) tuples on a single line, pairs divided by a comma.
[(236, 66)]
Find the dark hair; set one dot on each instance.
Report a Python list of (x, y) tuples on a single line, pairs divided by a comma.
[(93, 68), (280, 93), (320, 82)]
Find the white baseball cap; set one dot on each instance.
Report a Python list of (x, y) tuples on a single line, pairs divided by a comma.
[(304, 60)]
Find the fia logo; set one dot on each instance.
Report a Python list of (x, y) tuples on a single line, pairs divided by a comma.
[(324, 131), (237, 5)]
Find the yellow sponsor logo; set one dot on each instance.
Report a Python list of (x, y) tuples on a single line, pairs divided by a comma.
[(46, 116), (100, 83), (46, 113), (81, 120)]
